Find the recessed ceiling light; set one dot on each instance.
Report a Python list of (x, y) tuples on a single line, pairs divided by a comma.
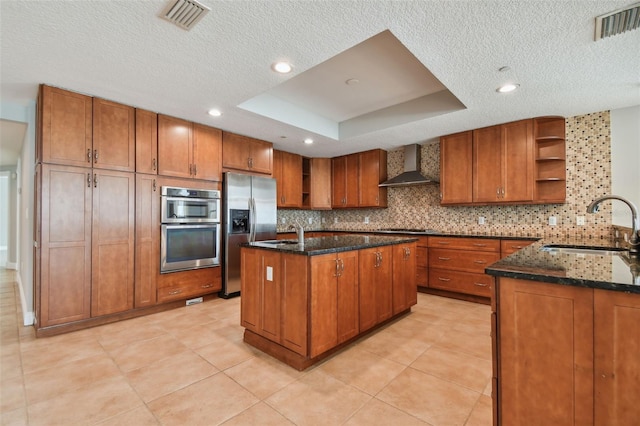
[(506, 88), (215, 112), (281, 67), (308, 141), (352, 81)]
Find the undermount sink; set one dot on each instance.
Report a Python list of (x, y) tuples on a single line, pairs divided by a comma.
[(279, 242), (602, 251)]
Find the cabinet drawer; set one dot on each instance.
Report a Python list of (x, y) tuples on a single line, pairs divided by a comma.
[(184, 284), (508, 247), (184, 290), (468, 261), (476, 244), (461, 282), (422, 276), (421, 256)]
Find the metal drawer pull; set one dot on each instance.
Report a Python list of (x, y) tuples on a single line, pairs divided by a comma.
[(444, 279), (479, 245), (95, 155), (481, 285), (444, 258), (206, 285), (88, 155), (178, 291), (517, 247), (480, 261), (443, 242)]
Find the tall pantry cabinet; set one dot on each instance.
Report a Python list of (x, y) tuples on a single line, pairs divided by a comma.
[(84, 207)]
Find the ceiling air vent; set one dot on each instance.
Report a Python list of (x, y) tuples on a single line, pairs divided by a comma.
[(618, 22), (184, 13)]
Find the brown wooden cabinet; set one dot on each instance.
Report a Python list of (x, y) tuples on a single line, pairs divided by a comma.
[(550, 159), (146, 142), (503, 163), (186, 284), (114, 136), (405, 291), (508, 247), (287, 170), (344, 178), (188, 150), (375, 288), (334, 300), (456, 171), (316, 183), (147, 240), (422, 262), (372, 171), (247, 154)]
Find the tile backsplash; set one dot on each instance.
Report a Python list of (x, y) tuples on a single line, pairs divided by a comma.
[(588, 151)]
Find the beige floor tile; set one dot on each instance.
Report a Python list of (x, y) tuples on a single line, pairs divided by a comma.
[(482, 413), (488, 388), (51, 382), (17, 417), (263, 375), (318, 398), (10, 361), (223, 353), (188, 318), (362, 369), (208, 402), (429, 398), (478, 345), (57, 351), (124, 333), (260, 414), (12, 395), (378, 413), (91, 404), (390, 344), (201, 335), (169, 374), (145, 352), (463, 369), (140, 416)]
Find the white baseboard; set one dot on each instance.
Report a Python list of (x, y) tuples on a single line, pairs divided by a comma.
[(27, 317)]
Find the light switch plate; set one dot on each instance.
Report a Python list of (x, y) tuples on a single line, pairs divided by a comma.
[(269, 273), (580, 220), (366, 219), (553, 221)]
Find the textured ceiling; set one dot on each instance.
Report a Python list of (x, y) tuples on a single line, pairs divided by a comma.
[(122, 51)]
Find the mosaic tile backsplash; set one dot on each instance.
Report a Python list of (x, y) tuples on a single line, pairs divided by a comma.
[(588, 151)]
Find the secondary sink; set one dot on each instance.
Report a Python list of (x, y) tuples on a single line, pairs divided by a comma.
[(601, 251)]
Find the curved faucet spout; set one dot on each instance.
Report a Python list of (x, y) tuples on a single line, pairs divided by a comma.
[(634, 241)]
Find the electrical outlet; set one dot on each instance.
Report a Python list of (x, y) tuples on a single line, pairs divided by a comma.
[(553, 221), (335, 220), (283, 220), (366, 219), (324, 220), (580, 220), (310, 221), (481, 220)]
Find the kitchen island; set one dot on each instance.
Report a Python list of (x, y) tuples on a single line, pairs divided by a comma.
[(302, 302), (565, 333)]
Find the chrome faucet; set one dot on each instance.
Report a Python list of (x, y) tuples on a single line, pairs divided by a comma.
[(634, 241), (299, 232)]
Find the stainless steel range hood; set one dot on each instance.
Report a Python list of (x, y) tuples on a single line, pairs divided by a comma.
[(411, 174)]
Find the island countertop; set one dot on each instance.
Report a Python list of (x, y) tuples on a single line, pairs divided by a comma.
[(617, 272), (334, 244)]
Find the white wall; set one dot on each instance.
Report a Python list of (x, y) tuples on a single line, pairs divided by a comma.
[(625, 161), (24, 196)]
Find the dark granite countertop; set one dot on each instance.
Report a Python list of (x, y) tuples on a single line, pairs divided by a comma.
[(608, 271), (334, 244), (422, 233)]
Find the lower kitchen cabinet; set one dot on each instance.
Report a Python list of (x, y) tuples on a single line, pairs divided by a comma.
[(375, 288), (186, 284), (147, 240), (508, 247), (405, 291), (565, 355), (422, 262)]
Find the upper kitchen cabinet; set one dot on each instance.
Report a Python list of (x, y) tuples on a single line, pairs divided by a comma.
[(114, 136), (456, 173), (372, 172), (503, 163), (316, 183), (146, 142), (188, 150), (344, 172), (246, 154), (65, 127), (287, 170), (550, 159)]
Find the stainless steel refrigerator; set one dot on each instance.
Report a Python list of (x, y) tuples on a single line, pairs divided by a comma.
[(249, 214)]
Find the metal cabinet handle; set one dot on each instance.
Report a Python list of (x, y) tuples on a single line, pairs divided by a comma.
[(444, 279), (337, 273), (154, 164), (88, 155), (95, 156), (95, 181), (481, 262), (155, 186), (206, 285), (88, 180), (444, 258), (195, 169), (479, 245), (481, 285), (178, 291), (444, 243), (341, 267)]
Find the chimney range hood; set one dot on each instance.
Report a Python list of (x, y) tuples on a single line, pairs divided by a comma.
[(411, 174)]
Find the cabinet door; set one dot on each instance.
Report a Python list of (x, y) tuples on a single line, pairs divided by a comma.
[(348, 320), (270, 294), (294, 302), (373, 171), (114, 136), (174, 147), (207, 153), (112, 253), (146, 142), (320, 175), (147, 239), (456, 174), (66, 127), (487, 164), (324, 303), (405, 290), (518, 161), (261, 156), (287, 170), (65, 246), (339, 180), (250, 289), (245, 153), (375, 288), (546, 353), (617, 366)]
